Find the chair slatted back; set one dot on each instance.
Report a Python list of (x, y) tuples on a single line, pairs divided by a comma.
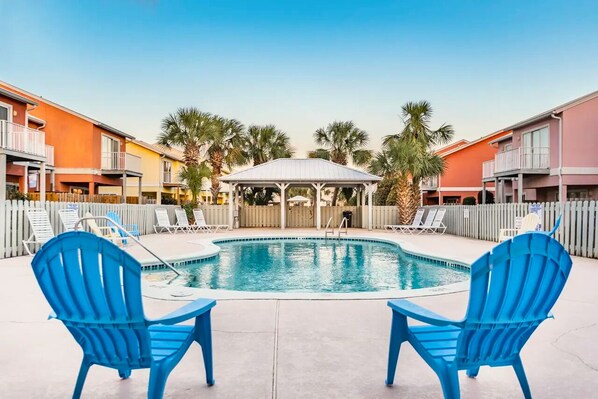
[(513, 289), (430, 218), (438, 218), (114, 216), (419, 215), (529, 223), (68, 217), (162, 217), (181, 217), (40, 224), (94, 288), (200, 219)]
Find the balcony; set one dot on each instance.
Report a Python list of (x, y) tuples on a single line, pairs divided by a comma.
[(49, 155), (488, 169), (121, 162), (430, 183), (22, 141), (518, 160), (170, 178)]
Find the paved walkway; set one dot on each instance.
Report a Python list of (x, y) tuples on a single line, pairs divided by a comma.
[(297, 348)]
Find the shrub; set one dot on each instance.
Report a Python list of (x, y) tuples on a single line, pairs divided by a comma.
[(166, 200), (489, 197), (469, 201)]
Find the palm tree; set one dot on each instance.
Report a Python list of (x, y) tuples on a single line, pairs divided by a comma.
[(341, 141), (193, 176), (224, 148), (406, 162), (416, 118), (186, 128), (418, 138), (265, 143)]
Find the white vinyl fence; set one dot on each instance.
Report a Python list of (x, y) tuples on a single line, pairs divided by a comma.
[(578, 232), (14, 226)]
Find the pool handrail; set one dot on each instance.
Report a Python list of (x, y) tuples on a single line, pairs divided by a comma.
[(328, 228), (121, 228), (344, 221)]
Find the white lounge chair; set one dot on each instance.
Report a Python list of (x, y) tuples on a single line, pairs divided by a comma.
[(107, 232), (183, 222), (426, 225), (200, 222), (68, 217), (41, 229), (529, 223), (437, 224), (164, 222), (417, 221)]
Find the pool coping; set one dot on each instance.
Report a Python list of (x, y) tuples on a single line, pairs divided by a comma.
[(210, 249)]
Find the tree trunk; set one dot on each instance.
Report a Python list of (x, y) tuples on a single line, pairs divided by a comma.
[(335, 196), (191, 154), (405, 202), (216, 160)]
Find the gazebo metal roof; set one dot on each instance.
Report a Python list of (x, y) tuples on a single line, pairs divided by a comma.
[(300, 171)]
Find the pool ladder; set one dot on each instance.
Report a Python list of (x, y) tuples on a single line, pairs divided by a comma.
[(343, 228), (121, 228)]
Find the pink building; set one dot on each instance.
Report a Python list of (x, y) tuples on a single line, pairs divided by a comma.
[(554, 151)]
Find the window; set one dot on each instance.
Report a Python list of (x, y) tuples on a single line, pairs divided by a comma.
[(451, 200), (4, 112), (536, 149), (578, 195), (110, 153), (167, 172)]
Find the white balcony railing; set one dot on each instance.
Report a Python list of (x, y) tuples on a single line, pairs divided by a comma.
[(522, 158), (19, 138), (487, 169), (121, 161), (169, 177), (430, 183), (50, 155)]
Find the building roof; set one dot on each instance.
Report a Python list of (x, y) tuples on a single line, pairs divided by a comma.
[(502, 138), (555, 110), (65, 109), (451, 146), (310, 170), (500, 134), (36, 120), (16, 97), (171, 153)]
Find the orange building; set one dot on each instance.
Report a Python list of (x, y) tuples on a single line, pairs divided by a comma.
[(463, 172), (82, 153)]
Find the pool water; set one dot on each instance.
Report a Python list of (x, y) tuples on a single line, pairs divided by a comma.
[(315, 265)]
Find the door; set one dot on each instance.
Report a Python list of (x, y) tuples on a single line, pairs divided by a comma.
[(5, 116), (536, 149), (110, 153)]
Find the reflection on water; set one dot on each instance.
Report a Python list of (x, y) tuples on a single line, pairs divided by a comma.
[(315, 266)]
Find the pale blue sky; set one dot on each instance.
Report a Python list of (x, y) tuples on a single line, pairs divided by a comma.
[(302, 64)]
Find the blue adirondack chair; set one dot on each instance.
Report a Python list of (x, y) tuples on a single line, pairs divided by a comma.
[(130, 228), (94, 288), (513, 288)]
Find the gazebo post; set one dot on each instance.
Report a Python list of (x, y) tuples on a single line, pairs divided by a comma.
[(370, 188), (231, 212), (318, 187), (283, 205)]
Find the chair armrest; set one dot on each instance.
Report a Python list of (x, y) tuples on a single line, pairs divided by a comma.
[(131, 227), (189, 311), (410, 309), (502, 231)]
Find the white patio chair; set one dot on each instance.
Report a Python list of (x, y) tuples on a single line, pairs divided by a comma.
[(164, 222), (426, 225), (437, 224), (107, 232), (68, 217), (41, 229), (529, 223), (183, 222), (417, 221), (200, 222)]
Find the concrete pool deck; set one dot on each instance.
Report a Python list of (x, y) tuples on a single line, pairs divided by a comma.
[(300, 348)]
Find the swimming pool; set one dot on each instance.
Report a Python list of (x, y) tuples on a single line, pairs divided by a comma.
[(314, 265)]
